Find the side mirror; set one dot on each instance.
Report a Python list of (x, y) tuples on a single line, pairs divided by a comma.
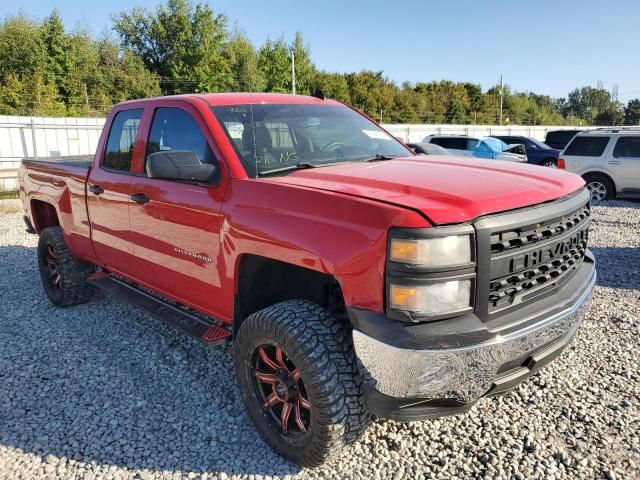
[(179, 165)]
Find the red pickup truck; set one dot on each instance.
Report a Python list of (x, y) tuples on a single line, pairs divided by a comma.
[(355, 278)]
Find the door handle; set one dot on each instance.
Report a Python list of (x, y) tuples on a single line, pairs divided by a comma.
[(97, 189), (140, 198)]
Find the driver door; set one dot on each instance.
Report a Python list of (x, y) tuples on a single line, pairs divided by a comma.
[(175, 224)]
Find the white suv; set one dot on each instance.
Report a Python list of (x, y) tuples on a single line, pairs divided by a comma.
[(608, 159)]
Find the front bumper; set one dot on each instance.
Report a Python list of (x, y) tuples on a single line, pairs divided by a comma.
[(414, 383)]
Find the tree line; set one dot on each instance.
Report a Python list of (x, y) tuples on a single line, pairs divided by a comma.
[(182, 47)]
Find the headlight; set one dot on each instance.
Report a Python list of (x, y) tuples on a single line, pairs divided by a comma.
[(432, 252), (435, 299), (430, 272)]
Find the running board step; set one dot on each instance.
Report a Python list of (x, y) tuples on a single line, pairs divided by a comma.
[(194, 325)]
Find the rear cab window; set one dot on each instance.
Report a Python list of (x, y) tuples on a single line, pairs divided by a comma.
[(587, 146), (122, 139)]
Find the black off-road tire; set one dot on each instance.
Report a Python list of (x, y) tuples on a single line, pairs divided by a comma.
[(72, 288), (321, 348)]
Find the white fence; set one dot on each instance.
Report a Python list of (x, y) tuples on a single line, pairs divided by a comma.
[(415, 133), (23, 137)]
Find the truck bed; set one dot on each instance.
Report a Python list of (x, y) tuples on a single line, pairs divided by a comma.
[(53, 192), (70, 160)]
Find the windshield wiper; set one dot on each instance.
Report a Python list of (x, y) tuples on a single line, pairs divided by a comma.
[(379, 157), (297, 166)]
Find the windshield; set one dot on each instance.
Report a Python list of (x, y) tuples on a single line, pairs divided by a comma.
[(540, 144), (269, 137)]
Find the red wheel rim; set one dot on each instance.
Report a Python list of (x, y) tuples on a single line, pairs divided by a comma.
[(281, 391), (53, 267)]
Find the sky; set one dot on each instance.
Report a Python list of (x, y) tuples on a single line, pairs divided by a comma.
[(547, 47)]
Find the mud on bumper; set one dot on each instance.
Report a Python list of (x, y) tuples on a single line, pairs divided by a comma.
[(415, 383)]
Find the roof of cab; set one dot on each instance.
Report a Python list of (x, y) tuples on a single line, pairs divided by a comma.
[(214, 99), (254, 98)]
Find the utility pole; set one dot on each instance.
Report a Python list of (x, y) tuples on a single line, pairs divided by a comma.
[(293, 72), (501, 96)]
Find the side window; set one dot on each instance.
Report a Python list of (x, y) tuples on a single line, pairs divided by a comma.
[(451, 142), (122, 138), (627, 147), (472, 144), (174, 129), (587, 146)]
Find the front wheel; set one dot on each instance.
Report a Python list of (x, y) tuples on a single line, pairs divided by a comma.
[(600, 187), (296, 369)]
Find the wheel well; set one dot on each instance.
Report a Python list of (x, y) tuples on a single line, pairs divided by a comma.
[(553, 159), (600, 174), (44, 215), (263, 282)]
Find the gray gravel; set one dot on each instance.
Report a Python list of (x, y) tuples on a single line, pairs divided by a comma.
[(103, 391)]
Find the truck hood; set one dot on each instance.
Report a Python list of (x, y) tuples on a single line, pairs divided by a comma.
[(445, 189)]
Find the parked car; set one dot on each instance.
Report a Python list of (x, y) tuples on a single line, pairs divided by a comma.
[(559, 139), (486, 147), (353, 280), (608, 159), (428, 149), (538, 153)]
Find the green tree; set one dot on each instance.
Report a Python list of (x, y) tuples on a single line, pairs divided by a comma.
[(22, 51), (305, 69), (632, 112), (56, 44), (372, 93), (595, 105), (243, 64), (181, 43), (275, 64), (333, 85)]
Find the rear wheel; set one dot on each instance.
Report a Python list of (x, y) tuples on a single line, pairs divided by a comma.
[(297, 373), (600, 187), (63, 275)]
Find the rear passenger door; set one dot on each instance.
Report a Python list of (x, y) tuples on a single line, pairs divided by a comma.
[(624, 163), (108, 190)]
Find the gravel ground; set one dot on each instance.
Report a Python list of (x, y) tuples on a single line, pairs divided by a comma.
[(103, 391)]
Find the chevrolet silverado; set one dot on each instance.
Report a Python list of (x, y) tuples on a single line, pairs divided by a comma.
[(355, 279)]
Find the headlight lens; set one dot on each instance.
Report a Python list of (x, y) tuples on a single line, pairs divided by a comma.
[(431, 299), (432, 252)]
